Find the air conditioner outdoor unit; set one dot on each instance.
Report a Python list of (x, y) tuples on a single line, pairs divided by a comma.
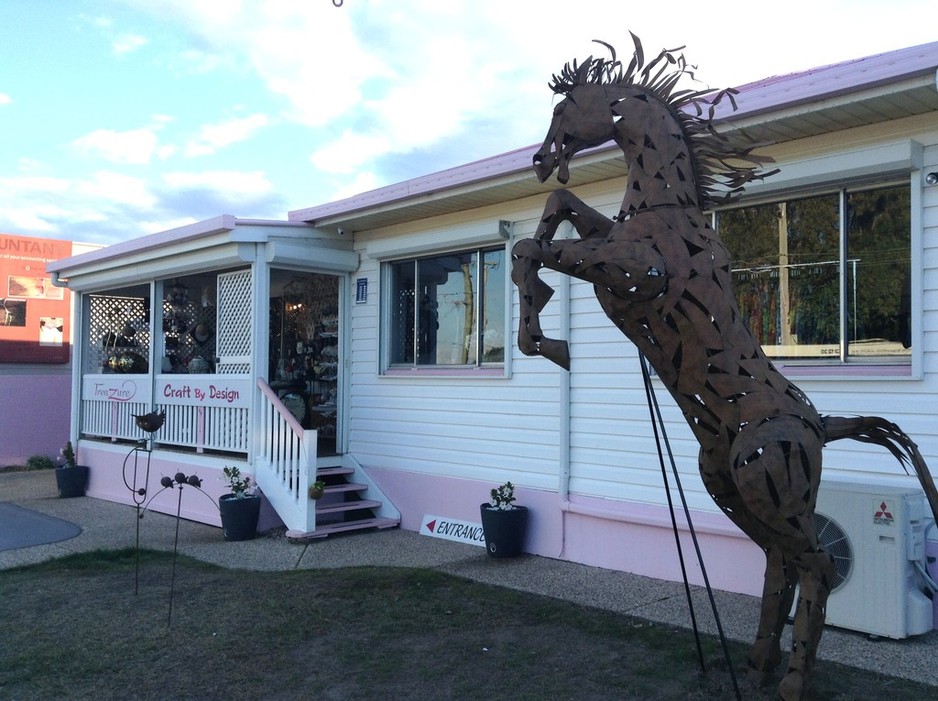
[(876, 534)]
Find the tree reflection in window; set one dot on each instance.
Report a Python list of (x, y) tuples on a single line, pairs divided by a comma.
[(448, 309), (789, 264)]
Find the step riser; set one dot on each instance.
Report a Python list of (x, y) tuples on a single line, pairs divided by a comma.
[(343, 527), (332, 507)]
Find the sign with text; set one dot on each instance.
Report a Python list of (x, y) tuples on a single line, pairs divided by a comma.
[(34, 313), (361, 290), (452, 529), (208, 390), (115, 388)]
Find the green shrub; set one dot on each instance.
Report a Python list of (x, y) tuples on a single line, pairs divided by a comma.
[(40, 462)]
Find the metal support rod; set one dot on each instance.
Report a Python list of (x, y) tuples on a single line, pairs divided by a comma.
[(139, 493), (172, 580), (658, 421)]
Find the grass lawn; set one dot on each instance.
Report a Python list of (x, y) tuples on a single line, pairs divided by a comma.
[(74, 629)]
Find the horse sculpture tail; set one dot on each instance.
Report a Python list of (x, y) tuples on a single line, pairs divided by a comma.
[(873, 429)]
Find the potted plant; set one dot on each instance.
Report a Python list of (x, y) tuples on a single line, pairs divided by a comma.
[(317, 489), (241, 508), (504, 523), (71, 477)]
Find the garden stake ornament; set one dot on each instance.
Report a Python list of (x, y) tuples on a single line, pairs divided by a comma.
[(662, 276), (134, 480), (178, 481)]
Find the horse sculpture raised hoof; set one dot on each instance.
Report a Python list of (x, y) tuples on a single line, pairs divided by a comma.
[(662, 276)]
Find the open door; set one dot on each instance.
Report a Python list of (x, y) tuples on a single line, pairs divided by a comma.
[(305, 366)]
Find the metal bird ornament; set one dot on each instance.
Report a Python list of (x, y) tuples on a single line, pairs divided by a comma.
[(150, 422)]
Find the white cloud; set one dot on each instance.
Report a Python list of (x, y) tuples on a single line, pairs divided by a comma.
[(5, 99), (22, 186), (133, 147), (154, 225), (212, 137), (231, 184), (347, 153), (363, 182), (105, 186), (58, 206), (27, 219), (126, 43)]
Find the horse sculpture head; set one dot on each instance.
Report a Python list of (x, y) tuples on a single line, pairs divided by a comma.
[(604, 100), (581, 120)]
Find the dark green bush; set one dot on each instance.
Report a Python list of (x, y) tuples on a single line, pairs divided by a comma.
[(39, 462)]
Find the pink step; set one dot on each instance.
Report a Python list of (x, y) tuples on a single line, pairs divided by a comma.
[(346, 487), (339, 506), (333, 471), (342, 527)]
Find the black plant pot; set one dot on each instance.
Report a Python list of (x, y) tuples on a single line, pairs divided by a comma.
[(504, 530), (71, 481), (239, 516)]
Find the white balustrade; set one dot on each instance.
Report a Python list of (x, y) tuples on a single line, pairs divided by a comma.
[(285, 464)]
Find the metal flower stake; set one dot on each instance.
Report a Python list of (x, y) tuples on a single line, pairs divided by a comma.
[(178, 481), (138, 483), (139, 459)]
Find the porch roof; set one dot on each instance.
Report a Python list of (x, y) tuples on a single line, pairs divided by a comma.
[(224, 229), (774, 110)]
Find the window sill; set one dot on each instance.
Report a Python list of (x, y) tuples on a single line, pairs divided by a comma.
[(453, 372), (847, 372)]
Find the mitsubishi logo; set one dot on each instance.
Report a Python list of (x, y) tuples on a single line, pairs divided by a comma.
[(883, 516)]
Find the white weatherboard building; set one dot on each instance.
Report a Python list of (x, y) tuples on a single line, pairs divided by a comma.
[(374, 336)]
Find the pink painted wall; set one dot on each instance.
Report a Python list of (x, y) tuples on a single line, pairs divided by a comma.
[(629, 537), (634, 537), (35, 407), (112, 469)]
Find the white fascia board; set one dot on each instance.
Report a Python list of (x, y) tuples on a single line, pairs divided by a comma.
[(895, 158), (477, 234), (311, 254), (146, 244), (143, 270)]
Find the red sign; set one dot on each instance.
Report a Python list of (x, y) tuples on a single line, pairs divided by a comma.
[(34, 313)]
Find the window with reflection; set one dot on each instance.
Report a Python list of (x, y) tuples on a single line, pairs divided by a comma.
[(447, 310), (826, 277)]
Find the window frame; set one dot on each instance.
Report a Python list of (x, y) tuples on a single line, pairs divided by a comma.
[(478, 369), (845, 366)]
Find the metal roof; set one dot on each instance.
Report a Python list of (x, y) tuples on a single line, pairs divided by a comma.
[(783, 108)]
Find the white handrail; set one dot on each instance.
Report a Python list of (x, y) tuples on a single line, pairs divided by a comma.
[(285, 466)]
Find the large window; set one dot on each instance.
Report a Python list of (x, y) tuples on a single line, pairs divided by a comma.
[(826, 277), (447, 309)]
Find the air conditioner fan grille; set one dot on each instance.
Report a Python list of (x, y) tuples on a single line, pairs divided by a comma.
[(833, 539)]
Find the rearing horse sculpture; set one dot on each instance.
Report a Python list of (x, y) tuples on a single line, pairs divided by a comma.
[(662, 275)]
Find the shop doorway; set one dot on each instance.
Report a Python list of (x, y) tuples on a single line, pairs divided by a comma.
[(305, 367)]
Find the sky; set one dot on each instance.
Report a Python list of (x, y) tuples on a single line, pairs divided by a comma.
[(122, 118)]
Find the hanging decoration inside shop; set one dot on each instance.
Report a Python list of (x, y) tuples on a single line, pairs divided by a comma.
[(662, 276), (188, 330)]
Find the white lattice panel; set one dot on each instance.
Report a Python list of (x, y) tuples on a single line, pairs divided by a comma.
[(235, 323), (116, 324)]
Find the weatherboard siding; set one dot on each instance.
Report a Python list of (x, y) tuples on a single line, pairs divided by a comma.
[(493, 429)]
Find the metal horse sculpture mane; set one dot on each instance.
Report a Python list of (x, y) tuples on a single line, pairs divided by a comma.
[(662, 275)]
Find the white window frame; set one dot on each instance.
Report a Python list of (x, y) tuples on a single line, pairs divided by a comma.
[(885, 164), (475, 237)]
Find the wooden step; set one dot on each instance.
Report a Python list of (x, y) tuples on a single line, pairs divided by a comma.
[(343, 527), (345, 488), (333, 471), (340, 506)]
